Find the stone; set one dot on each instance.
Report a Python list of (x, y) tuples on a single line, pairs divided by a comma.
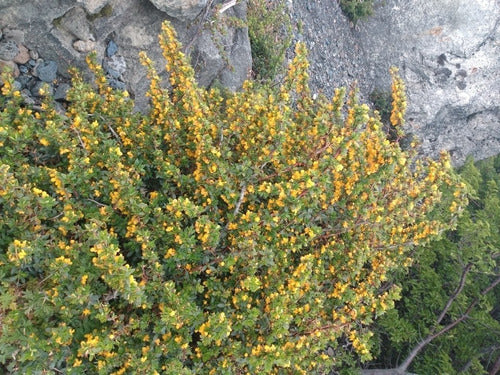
[(23, 55), (93, 6), (34, 55), (61, 91), (84, 46), (111, 49), (115, 66), (23, 69), (13, 34), (115, 83), (47, 71), (133, 25), (39, 85), (10, 66), (75, 22), (183, 10), (8, 50)]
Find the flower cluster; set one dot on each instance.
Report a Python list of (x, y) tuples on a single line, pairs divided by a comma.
[(218, 233)]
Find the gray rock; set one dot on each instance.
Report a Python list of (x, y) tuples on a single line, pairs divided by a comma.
[(115, 66), (111, 49), (93, 6), (47, 71), (183, 10), (75, 22), (84, 46), (61, 91), (14, 34), (23, 69), (8, 50), (453, 45), (28, 99), (447, 52), (39, 85), (115, 83), (133, 25), (34, 55)]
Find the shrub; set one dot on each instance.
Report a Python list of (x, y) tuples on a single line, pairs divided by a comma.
[(211, 235), (356, 10), (269, 29)]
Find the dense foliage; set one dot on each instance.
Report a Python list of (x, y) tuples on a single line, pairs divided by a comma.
[(228, 234), (473, 346), (269, 30), (356, 9)]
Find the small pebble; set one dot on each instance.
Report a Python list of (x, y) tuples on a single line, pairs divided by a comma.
[(34, 55), (23, 69), (32, 62)]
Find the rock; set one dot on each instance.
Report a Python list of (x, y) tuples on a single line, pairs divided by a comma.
[(23, 69), (47, 71), (115, 83), (183, 10), (8, 50), (93, 6), (84, 46), (1, 34), (75, 22), (132, 25), (13, 34), (111, 48), (39, 85), (61, 91), (23, 55), (448, 55), (26, 94), (10, 66), (34, 55), (115, 66)]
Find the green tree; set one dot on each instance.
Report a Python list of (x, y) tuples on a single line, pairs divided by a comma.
[(214, 234), (450, 305)]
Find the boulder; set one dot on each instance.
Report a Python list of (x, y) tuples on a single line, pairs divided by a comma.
[(183, 10)]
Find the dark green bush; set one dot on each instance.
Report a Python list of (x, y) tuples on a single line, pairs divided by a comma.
[(356, 9)]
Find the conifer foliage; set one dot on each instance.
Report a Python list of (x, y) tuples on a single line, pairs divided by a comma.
[(216, 234)]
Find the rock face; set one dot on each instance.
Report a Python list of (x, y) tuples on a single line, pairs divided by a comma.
[(447, 52), (64, 31), (184, 10)]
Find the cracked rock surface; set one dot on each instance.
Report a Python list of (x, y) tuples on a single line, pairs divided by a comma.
[(65, 31), (447, 52)]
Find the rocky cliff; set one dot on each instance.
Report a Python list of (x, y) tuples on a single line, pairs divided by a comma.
[(447, 52)]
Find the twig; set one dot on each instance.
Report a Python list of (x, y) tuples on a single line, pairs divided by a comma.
[(240, 200), (226, 6), (455, 294)]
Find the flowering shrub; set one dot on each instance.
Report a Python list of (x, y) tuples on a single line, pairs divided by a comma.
[(215, 234)]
